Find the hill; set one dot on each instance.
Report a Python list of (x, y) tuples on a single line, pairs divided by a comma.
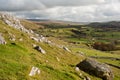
[(112, 24), (25, 48), (58, 22)]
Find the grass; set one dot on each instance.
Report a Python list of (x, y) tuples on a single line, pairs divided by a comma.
[(93, 52), (61, 75), (16, 60)]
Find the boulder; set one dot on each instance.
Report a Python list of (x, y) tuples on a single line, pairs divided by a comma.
[(2, 40), (38, 48), (96, 68), (34, 71)]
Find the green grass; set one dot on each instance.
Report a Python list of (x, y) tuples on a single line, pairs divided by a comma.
[(16, 60), (93, 52)]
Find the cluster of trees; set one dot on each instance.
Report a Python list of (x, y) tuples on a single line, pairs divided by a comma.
[(104, 46)]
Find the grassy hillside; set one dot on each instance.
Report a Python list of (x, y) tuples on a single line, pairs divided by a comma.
[(18, 57), (76, 40)]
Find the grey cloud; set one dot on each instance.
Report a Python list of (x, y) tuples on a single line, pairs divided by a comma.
[(72, 10), (20, 5), (52, 3)]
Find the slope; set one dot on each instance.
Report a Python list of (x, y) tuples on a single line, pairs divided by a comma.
[(18, 56)]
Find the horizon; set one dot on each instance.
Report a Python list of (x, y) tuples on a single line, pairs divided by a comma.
[(72, 21)]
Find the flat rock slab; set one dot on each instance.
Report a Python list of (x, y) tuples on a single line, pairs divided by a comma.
[(96, 68)]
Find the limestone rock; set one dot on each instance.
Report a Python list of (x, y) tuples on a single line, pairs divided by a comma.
[(96, 68), (38, 48), (21, 39), (13, 22), (65, 48), (11, 36), (12, 39), (34, 71), (42, 38), (35, 39), (2, 40), (46, 61), (81, 53), (87, 78), (57, 59), (31, 31), (39, 38), (77, 69)]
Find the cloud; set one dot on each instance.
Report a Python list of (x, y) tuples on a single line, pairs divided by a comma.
[(73, 10), (52, 3), (20, 5)]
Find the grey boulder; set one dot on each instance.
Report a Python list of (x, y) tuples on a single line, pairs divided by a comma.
[(96, 68)]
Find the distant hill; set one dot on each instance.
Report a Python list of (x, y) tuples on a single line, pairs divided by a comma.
[(112, 24), (58, 21)]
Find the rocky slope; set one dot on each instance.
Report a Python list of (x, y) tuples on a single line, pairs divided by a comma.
[(26, 55)]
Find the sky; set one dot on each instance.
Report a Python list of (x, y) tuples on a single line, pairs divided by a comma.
[(67, 10)]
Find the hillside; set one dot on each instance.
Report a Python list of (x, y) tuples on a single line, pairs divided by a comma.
[(112, 24), (24, 47), (57, 21)]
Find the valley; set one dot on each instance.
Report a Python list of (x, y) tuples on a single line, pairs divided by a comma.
[(54, 49)]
